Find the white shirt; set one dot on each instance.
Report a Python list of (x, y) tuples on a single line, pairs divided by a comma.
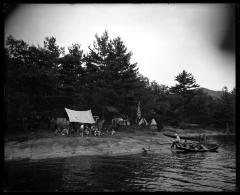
[(178, 138)]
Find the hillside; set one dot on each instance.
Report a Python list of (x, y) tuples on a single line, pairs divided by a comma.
[(214, 94)]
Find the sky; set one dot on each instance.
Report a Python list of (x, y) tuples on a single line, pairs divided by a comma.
[(165, 39)]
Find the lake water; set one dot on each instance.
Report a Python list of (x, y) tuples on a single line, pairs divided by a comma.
[(167, 171)]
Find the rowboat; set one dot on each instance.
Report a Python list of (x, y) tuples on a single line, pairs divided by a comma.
[(187, 148)]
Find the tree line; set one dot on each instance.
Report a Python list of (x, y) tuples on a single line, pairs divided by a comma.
[(43, 78)]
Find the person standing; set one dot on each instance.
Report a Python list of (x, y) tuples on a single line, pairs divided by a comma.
[(100, 124), (202, 138)]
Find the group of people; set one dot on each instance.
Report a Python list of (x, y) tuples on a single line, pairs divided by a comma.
[(190, 145), (84, 130), (194, 146)]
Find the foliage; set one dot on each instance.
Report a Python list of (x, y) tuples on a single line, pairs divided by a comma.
[(186, 89), (45, 78), (186, 84)]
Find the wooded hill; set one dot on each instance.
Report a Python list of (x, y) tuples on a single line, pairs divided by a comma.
[(212, 93)]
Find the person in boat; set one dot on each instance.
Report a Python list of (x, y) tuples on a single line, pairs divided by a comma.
[(176, 141), (144, 150), (192, 146), (197, 147), (185, 143)]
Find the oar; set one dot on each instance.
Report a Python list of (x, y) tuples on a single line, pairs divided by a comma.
[(170, 142), (165, 143), (145, 151)]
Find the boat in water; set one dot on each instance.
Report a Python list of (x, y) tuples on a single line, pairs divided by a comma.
[(199, 147)]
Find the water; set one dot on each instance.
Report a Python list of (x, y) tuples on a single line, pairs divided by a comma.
[(152, 172)]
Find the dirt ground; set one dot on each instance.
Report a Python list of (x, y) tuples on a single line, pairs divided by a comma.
[(44, 144)]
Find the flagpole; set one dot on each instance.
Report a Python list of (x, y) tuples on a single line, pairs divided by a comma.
[(138, 113)]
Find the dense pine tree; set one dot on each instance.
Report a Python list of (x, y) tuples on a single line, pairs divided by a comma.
[(45, 78), (186, 89)]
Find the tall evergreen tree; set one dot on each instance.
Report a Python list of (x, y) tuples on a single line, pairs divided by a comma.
[(115, 76), (186, 89), (30, 76), (227, 111), (186, 84)]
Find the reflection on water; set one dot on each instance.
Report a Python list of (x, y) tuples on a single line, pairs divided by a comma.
[(153, 172)]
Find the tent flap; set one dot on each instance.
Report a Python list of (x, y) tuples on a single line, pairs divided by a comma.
[(143, 121), (80, 116)]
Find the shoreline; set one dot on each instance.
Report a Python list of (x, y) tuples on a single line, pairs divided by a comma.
[(123, 143)]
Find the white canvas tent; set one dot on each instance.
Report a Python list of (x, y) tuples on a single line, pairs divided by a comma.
[(153, 124), (143, 122), (80, 116)]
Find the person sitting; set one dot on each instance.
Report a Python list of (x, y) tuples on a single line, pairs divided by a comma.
[(87, 131), (144, 150), (187, 146), (70, 131), (105, 131), (113, 132), (95, 132), (81, 133), (190, 146), (185, 143), (63, 131), (176, 141), (177, 138), (82, 127), (196, 147), (57, 131)]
